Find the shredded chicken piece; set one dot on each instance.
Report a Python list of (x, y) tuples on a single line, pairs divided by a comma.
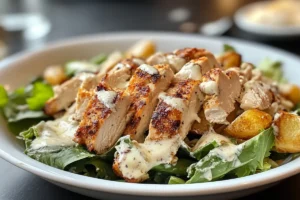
[(226, 89), (257, 95)]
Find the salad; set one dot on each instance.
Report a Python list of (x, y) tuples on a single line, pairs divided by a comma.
[(142, 116)]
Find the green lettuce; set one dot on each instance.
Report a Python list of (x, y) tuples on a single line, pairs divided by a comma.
[(272, 69), (23, 107), (73, 158), (28, 136), (204, 150), (178, 169), (227, 48), (3, 96), (93, 167), (261, 146), (98, 59), (40, 93), (58, 156), (248, 157), (176, 180)]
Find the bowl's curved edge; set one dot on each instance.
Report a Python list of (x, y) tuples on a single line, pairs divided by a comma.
[(63, 177)]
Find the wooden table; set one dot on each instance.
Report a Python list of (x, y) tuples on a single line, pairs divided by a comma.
[(78, 17)]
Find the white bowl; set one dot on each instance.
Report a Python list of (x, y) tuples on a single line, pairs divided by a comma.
[(241, 20), (19, 69)]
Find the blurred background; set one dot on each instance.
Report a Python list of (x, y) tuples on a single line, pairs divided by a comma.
[(29, 24), (26, 24)]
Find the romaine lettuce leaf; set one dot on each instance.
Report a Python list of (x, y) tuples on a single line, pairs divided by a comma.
[(244, 158), (204, 145), (28, 136), (204, 150), (262, 144), (72, 158), (18, 113), (158, 177), (40, 93), (227, 47), (98, 59), (176, 180), (178, 169), (3, 96), (272, 69), (59, 156), (93, 167)]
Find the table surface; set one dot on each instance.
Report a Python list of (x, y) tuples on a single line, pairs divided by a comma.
[(79, 17)]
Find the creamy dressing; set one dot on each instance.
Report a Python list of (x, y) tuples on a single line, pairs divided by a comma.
[(149, 69), (190, 71), (207, 175), (209, 87), (174, 102), (175, 61), (275, 128), (107, 98), (227, 153), (209, 137), (135, 160), (59, 132), (82, 66)]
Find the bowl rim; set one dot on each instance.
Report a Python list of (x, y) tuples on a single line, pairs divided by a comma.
[(263, 29), (62, 177)]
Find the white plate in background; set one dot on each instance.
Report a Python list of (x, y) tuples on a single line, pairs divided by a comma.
[(241, 20), (21, 68)]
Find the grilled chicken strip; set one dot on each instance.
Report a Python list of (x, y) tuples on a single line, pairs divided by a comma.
[(100, 128), (223, 90), (180, 57), (103, 120), (144, 87), (172, 119), (65, 94), (117, 78)]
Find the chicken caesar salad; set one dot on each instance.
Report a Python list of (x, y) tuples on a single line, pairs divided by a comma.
[(142, 116)]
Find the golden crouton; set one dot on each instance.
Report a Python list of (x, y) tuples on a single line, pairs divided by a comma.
[(287, 131), (292, 93), (142, 49), (54, 75), (230, 59), (249, 124)]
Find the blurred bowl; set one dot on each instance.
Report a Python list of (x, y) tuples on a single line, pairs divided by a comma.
[(241, 19)]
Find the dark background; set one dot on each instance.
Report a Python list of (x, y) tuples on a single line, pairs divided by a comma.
[(70, 18)]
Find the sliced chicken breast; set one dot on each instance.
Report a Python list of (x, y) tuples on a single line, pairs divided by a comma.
[(176, 111), (180, 57), (103, 120), (223, 90), (110, 62), (117, 79), (170, 123), (65, 94), (144, 87)]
